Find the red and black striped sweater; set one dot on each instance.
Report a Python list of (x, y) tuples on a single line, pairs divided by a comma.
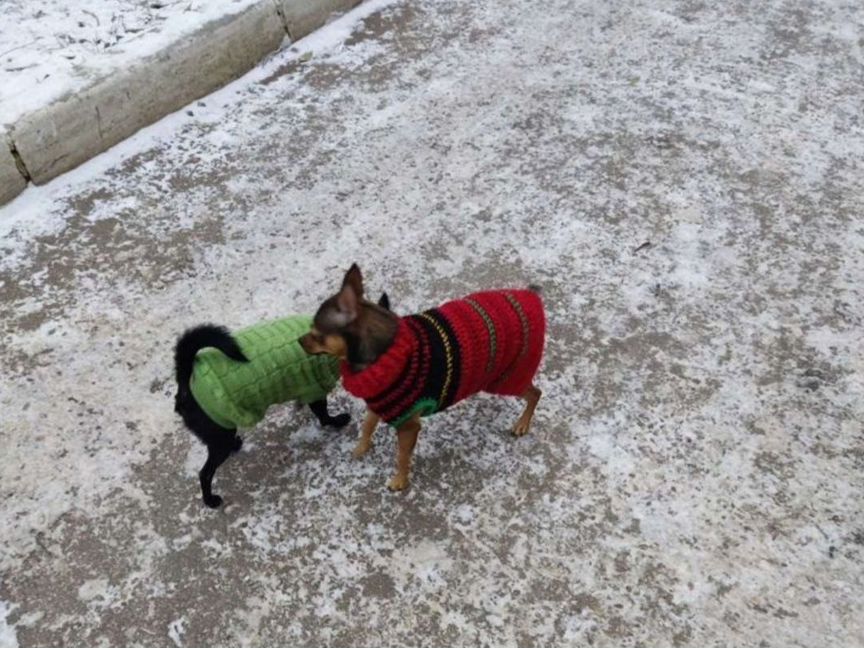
[(489, 341)]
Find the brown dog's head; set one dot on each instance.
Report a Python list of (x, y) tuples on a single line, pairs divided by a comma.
[(350, 327)]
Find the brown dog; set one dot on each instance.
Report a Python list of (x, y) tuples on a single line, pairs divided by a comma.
[(413, 366)]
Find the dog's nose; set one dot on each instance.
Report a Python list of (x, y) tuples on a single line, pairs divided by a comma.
[(304, 343)]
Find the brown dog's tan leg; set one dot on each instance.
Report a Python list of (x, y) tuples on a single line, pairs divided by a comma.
[(406, 437), (366, 432), (523, 424)]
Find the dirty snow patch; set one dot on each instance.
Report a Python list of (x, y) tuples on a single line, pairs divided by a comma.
[(8, 637), (176, 630), (52, 48)]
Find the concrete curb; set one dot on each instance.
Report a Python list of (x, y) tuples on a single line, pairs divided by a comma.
[(75, 128), (303, 17), (12, 181)]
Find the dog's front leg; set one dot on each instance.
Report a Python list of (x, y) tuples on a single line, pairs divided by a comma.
[(319, 409), (406, 437), (531, 396), (366, 432)]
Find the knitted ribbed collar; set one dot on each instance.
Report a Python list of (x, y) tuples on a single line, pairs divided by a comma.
[(374, 379)]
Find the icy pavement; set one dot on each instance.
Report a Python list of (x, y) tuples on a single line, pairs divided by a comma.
[(684, 180), (49, 48)]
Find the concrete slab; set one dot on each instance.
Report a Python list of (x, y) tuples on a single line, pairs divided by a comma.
[(302, 17), (81, 125), (11, 181), (685, 181)]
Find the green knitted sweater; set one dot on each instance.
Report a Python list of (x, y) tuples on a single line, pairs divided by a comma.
[(237, 394)]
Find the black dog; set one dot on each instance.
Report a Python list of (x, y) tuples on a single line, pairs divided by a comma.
[(222, 440)]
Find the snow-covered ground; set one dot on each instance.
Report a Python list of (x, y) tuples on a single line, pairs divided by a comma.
[(684, 179), (49, 48)]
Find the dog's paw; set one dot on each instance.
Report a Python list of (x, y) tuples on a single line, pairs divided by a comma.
[(522, 427), (213, 502), (398, 482), (238, 444), (339, 421), (361, 449)]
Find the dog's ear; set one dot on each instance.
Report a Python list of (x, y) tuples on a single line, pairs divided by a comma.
[(347, 301), (384, 301), (354, 279)]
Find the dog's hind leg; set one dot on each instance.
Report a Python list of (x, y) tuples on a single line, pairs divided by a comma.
[(319, 409), (523, 423), (216, 456), (220, 442), (236, 442), (366, 432)]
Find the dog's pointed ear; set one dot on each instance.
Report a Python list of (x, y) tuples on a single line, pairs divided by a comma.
[(347, 300), (384, 301), (354, 279)]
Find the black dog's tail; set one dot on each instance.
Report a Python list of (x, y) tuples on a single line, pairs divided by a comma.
[(195, 339)]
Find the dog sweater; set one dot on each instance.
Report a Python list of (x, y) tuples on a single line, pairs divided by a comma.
[(237, 394), (488, 341)]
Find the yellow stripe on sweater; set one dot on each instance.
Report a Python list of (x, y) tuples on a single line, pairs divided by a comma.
[(448, 378)]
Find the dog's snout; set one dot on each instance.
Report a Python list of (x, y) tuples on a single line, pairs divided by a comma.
[(304, 343)]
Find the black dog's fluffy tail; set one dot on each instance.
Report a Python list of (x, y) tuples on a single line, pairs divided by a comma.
[(195, 339)]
